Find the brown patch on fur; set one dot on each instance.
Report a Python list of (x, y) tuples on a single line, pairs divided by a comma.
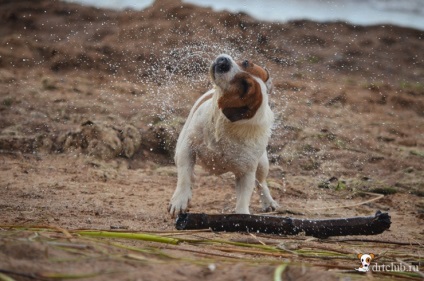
[(242, 99), (254, 69)]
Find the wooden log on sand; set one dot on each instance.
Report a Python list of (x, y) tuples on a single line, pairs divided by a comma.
[(321, 228)]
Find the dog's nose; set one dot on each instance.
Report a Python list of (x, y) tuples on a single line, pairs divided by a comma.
[(222, 64)]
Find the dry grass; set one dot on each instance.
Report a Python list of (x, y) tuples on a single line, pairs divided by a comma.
[(157, 247)]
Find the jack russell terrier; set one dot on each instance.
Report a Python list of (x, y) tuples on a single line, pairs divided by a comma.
[(228, 130)]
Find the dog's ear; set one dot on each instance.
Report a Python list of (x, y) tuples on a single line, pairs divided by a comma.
[(242, 98), (269, 85), (268, 76), (372, 256), (359, 256)]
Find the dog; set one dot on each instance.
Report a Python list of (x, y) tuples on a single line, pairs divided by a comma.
[(365, 262), (227, 130)]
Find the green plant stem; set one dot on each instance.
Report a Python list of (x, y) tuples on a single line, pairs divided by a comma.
[(278, 271), (125, 235)]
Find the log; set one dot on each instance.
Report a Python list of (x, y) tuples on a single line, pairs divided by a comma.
[(321, 228)]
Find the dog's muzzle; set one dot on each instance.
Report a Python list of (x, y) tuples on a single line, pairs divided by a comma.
[(222, 65)]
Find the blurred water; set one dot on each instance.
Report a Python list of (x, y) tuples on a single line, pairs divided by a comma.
[(408, 13)]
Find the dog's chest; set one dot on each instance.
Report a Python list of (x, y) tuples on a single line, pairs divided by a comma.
[(226, 156)]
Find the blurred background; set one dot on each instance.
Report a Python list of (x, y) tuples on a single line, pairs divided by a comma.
[(408, 13)]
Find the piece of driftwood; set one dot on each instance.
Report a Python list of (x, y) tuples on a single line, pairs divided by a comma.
[(286, 226)]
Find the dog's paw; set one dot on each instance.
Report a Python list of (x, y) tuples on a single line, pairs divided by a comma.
[(178, 204), (269, 206)]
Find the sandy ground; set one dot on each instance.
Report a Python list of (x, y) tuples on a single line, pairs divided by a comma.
[(91, 104)]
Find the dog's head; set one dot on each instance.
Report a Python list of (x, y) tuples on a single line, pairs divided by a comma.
[(243, 86), (366, 260)]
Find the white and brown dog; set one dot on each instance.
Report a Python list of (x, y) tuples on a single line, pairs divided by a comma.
[(228, 130)]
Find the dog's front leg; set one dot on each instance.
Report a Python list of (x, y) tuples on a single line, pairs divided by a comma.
[(185, 160), (244, 189)]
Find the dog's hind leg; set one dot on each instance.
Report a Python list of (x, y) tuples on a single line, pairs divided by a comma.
[(268, 204), (185, 160)]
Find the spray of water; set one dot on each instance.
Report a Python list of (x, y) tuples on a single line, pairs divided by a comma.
[(183, 76)]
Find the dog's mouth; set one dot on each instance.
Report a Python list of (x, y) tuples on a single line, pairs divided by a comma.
[(236, 113)]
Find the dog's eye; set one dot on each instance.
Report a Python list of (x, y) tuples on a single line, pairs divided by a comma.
[(368, 259), (245, 88), (245, 63)]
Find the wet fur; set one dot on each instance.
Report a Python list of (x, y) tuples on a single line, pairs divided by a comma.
[(227, 130)]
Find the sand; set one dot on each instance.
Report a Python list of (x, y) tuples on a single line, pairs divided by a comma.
[(92, 101)]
